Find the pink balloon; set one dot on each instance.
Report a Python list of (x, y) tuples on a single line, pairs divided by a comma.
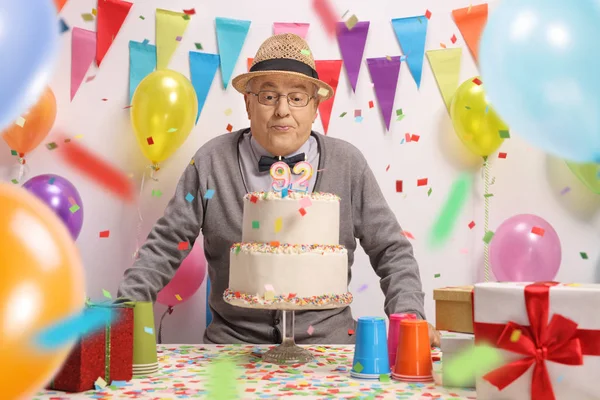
[(525, 248), (187, 279)]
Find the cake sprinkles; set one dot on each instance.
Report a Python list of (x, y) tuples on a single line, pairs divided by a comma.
[(291, 195), (285, 248), (321, 300)]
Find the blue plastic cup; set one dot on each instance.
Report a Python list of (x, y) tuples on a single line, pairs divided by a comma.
[(371, 352)]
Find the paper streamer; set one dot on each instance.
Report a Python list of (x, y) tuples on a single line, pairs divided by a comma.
[(297, 28), (352, 46), (83, 50), (384, 74), (329, 72), (445, 65), (110, 18), (169, 26), (142, 61), (231, 35), (203, 67), (411, 33), (471, 21)]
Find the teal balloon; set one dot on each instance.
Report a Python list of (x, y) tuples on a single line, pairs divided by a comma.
[(541, 67)]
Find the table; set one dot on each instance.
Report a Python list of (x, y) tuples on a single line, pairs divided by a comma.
[(185, 372)]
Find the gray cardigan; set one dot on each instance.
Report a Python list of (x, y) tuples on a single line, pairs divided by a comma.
[(365, 215)]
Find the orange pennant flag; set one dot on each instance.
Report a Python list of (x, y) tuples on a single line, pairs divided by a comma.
[(471, 21)]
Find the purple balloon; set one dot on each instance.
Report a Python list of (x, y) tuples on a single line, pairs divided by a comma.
[(62, 197), (525, 248)]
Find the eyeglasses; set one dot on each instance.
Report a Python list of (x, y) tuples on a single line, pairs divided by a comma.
[(295, 99)]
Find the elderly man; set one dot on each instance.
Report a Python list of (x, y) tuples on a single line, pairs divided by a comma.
[(282, 92)]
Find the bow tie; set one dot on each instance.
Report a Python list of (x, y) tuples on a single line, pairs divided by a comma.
[(265, 162)]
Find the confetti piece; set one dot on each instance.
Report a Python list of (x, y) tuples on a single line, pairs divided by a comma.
[(191, 11), (178, 297), (466, 364), (284, 193), (104, 234), (351, 22), (278, 224), (149, 330), (74, 208), (255, 225), (453, 39), (269, 295), (145, 41), (62, 26), (172, 130), (358, 367), (101, 383), (446, 220), (350, 332), (414, 138), (269, 287), (371, 105), (583, 255), (538, 231), (357, 113), (428, 14), (253, 199), (16, 182), (422, 182), (228, 111), (186, 17), (358, 119), (323, 92), (442, 45), (477, 81), (178, 38), (150, 141), (51, 181), (106, 294), (408, 234), (209, 193), (471, 224), (306, 52), (398, 186), (387, 168), (310, 330), (189, 197), (487, 238), (302, 212), (429, 192), (198, 46), (118, 383), (142, 17), (223, 379), (327, 15), (399, 112), (14, 152), (87, 17), (437, 275), (384, 378), (51, 146), (407, 137), (274, 243), (183, 246), (488, 195), (90, 78), (229, 128), (342, 115), (515, 335), (565, 190), (305, 202), (362, 288), (20, 121), (504, 134), (156, 193)]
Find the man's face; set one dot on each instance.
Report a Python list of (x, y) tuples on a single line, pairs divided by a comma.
[(281, 128)]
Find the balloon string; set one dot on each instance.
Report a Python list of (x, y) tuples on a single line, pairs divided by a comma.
[(170, 311), (21, 169), (140, 219), (486, 247)]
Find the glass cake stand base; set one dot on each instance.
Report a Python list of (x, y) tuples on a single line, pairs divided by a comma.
[(288, 352)]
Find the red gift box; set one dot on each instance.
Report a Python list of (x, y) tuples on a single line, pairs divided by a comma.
[(107, 354)]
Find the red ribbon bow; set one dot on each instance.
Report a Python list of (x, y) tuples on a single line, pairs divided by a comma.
[(559, 341)]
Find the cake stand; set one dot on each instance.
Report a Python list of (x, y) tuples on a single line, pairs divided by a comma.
[(288, 352)]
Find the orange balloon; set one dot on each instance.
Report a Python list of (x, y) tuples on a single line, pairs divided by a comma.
[(59, 4), (38, 122), (41, 282)]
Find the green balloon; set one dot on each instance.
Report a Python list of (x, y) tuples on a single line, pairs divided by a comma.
[(588, 173)]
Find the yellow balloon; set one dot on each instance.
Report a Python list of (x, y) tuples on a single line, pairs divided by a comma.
[(163, 113), (475, 121)]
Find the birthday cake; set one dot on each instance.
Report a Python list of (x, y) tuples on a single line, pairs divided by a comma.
[(290, 257)]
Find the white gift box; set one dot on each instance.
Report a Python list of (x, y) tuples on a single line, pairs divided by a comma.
[(452, 345), (499, 303)]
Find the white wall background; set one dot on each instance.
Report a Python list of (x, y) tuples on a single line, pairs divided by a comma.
[(527, 181)]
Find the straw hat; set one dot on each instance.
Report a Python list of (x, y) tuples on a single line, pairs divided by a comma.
[(285, 54)]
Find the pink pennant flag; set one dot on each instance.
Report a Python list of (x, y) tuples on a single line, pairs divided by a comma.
[(83, 51), (297, 28), (384, 74)]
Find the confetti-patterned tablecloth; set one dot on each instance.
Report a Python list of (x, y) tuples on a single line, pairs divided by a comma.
[(185, 372)]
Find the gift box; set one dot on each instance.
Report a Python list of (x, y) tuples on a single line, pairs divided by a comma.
[(548, 335), (452, 345), (106, 354), (454, 309)]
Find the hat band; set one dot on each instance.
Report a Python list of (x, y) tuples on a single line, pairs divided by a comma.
[(285, 64)]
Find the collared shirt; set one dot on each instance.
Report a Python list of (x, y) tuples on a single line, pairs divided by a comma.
[(250, 153)]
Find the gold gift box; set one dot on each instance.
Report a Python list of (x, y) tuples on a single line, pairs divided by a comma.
[(454, 309)]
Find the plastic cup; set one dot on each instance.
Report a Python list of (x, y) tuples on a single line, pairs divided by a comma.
[(370, 353), (144, 339), (413, 360), (394, 332)]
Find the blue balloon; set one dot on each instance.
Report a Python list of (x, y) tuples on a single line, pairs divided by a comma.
[(541, 68), (28, 45)]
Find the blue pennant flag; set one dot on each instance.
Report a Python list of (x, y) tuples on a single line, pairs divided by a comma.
[(411, 33), (142, 61), (203, 67), (231, 34)]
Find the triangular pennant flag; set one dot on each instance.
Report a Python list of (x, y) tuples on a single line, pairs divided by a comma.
[(384, 74), (352, 46), (297, 28), (142, 61), (329, 72), (59, 4), (170, 26), (470, 22), (411, 33), (231, 34), (203, 67), (111, 15), (83, 50), (250, 60), (445, 65)]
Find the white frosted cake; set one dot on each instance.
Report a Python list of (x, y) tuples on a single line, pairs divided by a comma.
[(290, 257)]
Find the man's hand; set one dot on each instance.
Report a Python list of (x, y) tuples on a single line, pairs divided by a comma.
[(434, 336)]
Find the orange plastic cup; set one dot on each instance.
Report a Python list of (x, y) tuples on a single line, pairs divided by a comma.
[(413, 361)]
